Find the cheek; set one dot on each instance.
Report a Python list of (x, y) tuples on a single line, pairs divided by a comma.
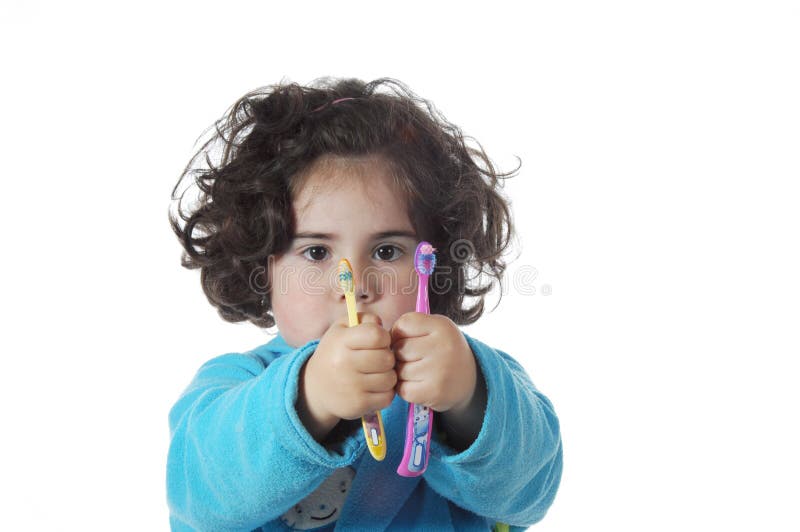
[(296, 297), (296, 306), (298, 320)]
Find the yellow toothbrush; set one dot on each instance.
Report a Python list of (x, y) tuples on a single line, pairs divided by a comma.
[(371, 423)]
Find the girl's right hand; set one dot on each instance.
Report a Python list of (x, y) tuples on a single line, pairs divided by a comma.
[(350, 374)]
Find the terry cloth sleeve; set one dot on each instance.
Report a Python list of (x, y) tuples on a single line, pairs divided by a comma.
[(511, 472), (239, 455)]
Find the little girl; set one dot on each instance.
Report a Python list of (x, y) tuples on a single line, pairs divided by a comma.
[(296, 178)]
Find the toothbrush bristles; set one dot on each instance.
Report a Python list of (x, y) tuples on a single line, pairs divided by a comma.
[(345, 276), (425, 260)]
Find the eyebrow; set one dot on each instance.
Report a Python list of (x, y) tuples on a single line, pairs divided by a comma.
[(376, 236)]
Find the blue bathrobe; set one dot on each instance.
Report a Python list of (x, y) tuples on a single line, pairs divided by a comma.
[(240, 458)]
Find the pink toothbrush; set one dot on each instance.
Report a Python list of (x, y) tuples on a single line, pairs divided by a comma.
[(419, 426)]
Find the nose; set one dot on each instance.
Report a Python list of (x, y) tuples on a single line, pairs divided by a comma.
[(361, 296), (364, 288)]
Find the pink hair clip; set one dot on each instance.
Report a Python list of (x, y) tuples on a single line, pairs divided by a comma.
[(334, 102)]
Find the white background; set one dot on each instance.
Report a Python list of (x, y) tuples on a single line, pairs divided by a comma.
[(658, 200)]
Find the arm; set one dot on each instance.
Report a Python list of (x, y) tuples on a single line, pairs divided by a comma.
[(511, 471), (461, 425), (239, 454)]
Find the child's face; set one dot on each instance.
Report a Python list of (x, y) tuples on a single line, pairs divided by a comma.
[(353, 202)]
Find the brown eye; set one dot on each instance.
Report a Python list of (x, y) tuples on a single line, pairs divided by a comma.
[(315, 253), (388, 253)]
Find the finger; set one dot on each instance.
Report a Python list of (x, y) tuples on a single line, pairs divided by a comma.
[(411, 392), (368, 335), (411, 349), (368, 317), (373, 360), (378, 382), (341, 323), (411, 371), (379, 400), (363, 317), (410, 325)]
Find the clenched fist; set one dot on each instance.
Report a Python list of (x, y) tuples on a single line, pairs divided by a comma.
[(350, 374), (435, 365)]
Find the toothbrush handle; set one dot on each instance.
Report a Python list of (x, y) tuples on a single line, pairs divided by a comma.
[(423, 305), (371, 423), (417, 448), (374, 434), (419, 425)]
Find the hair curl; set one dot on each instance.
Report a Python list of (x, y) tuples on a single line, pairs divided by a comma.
[(266, 140)]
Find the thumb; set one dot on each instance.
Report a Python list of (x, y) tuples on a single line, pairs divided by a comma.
[(367, 317)]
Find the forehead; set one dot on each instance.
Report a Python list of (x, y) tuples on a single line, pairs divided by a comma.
[(362, 188)]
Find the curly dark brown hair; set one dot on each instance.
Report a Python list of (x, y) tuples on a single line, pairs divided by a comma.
[(257, 155)]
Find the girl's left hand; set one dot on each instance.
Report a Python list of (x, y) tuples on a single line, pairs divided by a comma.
[(434, 364)]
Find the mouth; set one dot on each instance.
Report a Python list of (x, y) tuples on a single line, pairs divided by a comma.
[(325, 517)]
